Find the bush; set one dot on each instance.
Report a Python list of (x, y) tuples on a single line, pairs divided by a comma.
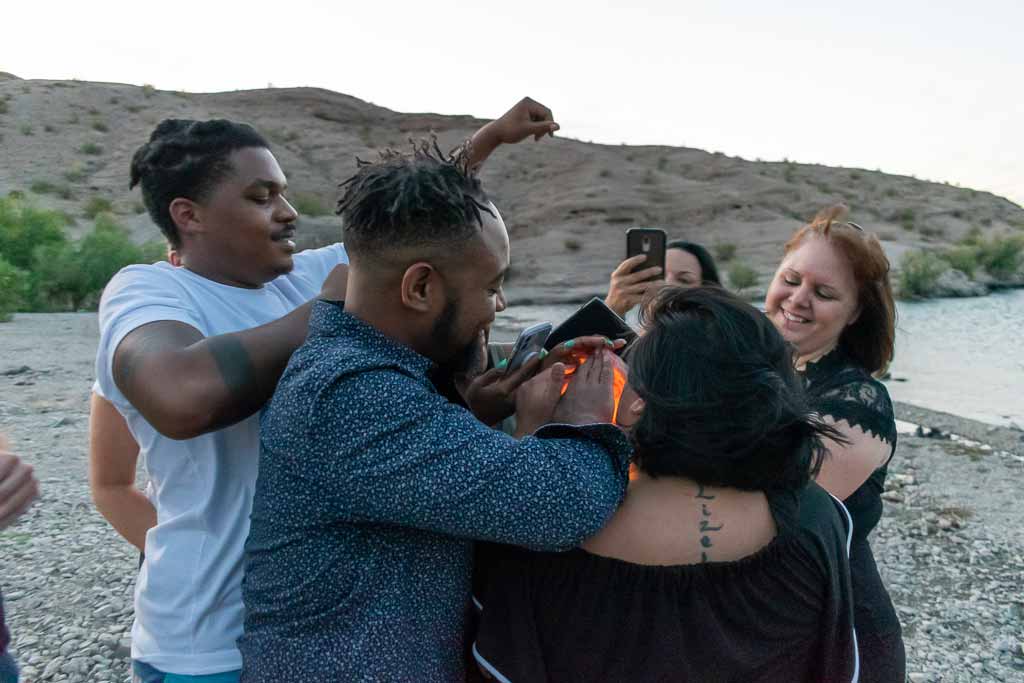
[(13, 284), (24, 227), (308, 204), (919, 271), (71, 276), (3, 107), (25, 129), (725, 251), (91, 148), (43, 187), (963, 258), (742, 276), (75, 174), (148, 91), (573, 244), (100, 126), (1002, 256), (907, 219), (96, 206)]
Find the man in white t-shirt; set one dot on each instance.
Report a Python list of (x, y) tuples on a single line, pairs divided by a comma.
[(188, 355)]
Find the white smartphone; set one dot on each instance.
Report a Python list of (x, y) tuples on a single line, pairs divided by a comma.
[(529, 344)]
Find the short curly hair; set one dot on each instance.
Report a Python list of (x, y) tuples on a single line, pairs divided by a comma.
[(186, 158), (416, 198)]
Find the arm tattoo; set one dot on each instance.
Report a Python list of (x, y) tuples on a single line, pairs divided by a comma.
[(706, 526), (233, 361)]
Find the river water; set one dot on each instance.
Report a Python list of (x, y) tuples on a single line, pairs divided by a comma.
[(961, 356)]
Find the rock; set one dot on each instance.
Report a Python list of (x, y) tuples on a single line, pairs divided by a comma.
[(51, 669), (124, 649), (955, 283), (919, 677), (11, 372), (931, 433), (65, 421), (892, 497)]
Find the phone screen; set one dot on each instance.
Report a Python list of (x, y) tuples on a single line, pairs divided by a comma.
[(651, 243), (530, 342)]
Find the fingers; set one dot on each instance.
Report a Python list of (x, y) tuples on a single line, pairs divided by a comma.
[(16, 493), (640, 275), (537, 111), (14, 508), (8, 461), (15, 479), (627, 266), (527, 370)]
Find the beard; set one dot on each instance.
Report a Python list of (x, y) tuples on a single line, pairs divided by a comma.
[(462, 357)]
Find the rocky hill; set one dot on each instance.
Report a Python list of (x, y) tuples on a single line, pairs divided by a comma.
[(567, 203)]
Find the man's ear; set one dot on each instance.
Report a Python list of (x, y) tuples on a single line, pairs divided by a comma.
[(421, 287), (185, 214)]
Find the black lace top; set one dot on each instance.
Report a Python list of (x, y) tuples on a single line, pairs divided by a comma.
[(843, 390)]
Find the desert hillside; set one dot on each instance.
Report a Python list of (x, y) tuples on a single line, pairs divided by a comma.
[(566, 202)]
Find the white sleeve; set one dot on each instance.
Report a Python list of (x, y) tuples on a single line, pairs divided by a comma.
[(315, 265), (136, 296)]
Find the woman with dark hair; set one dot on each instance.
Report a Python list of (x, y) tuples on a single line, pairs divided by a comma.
[(687, 264), (831, 299), (724, 563)]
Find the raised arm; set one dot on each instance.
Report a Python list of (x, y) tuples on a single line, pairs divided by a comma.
[(526, 118), (185, 384), (113, 453)]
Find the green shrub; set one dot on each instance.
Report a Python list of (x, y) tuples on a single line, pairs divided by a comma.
[(24, 227), (725, 251), (1002, 256), (573, 244), (100, 126), (907, 219), (43, 187), (148, 91), (97, 205), (742, 276), (3, 106), (605, 173), (75, 174), (91, 148), (308, 204), (962, 258), (25, 129), (13, 284), (71, 276), (919, 271)]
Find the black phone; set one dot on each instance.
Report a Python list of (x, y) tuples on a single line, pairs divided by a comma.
[(593, 318), (650, 242), (529, 344)]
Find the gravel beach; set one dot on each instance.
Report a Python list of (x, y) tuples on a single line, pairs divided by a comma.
[(951, 543)]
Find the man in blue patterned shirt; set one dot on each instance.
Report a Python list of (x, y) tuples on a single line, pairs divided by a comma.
[(372, 486)]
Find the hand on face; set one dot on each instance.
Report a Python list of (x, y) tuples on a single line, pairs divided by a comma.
[(18, 486), (526, 118), (628, 288), (589, 398)]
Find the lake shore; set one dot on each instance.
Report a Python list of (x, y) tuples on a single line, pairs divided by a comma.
[(950, 545)]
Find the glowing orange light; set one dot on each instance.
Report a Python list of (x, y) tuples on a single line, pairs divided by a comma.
[(618, 380)]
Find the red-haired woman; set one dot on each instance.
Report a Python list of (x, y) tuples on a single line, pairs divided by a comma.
[(831, 299)]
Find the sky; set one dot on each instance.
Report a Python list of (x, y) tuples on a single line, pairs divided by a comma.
[(930, 89)]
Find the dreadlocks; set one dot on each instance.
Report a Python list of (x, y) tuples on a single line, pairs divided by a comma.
[(418, 198)]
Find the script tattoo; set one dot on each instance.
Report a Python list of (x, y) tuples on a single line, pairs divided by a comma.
[(706, 523)]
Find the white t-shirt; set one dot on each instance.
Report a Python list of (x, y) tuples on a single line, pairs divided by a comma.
[(188, 598)]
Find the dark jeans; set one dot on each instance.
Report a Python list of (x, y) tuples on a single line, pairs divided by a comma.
[(8, 669)]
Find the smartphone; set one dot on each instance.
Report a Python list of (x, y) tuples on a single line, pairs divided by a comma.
[(529, 344), (651, 243)]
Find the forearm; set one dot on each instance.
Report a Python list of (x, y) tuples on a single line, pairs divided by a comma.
[(128, 510), (186, 385), (482, 145)]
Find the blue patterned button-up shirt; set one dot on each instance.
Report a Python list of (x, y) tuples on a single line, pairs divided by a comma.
[(372, 488)]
